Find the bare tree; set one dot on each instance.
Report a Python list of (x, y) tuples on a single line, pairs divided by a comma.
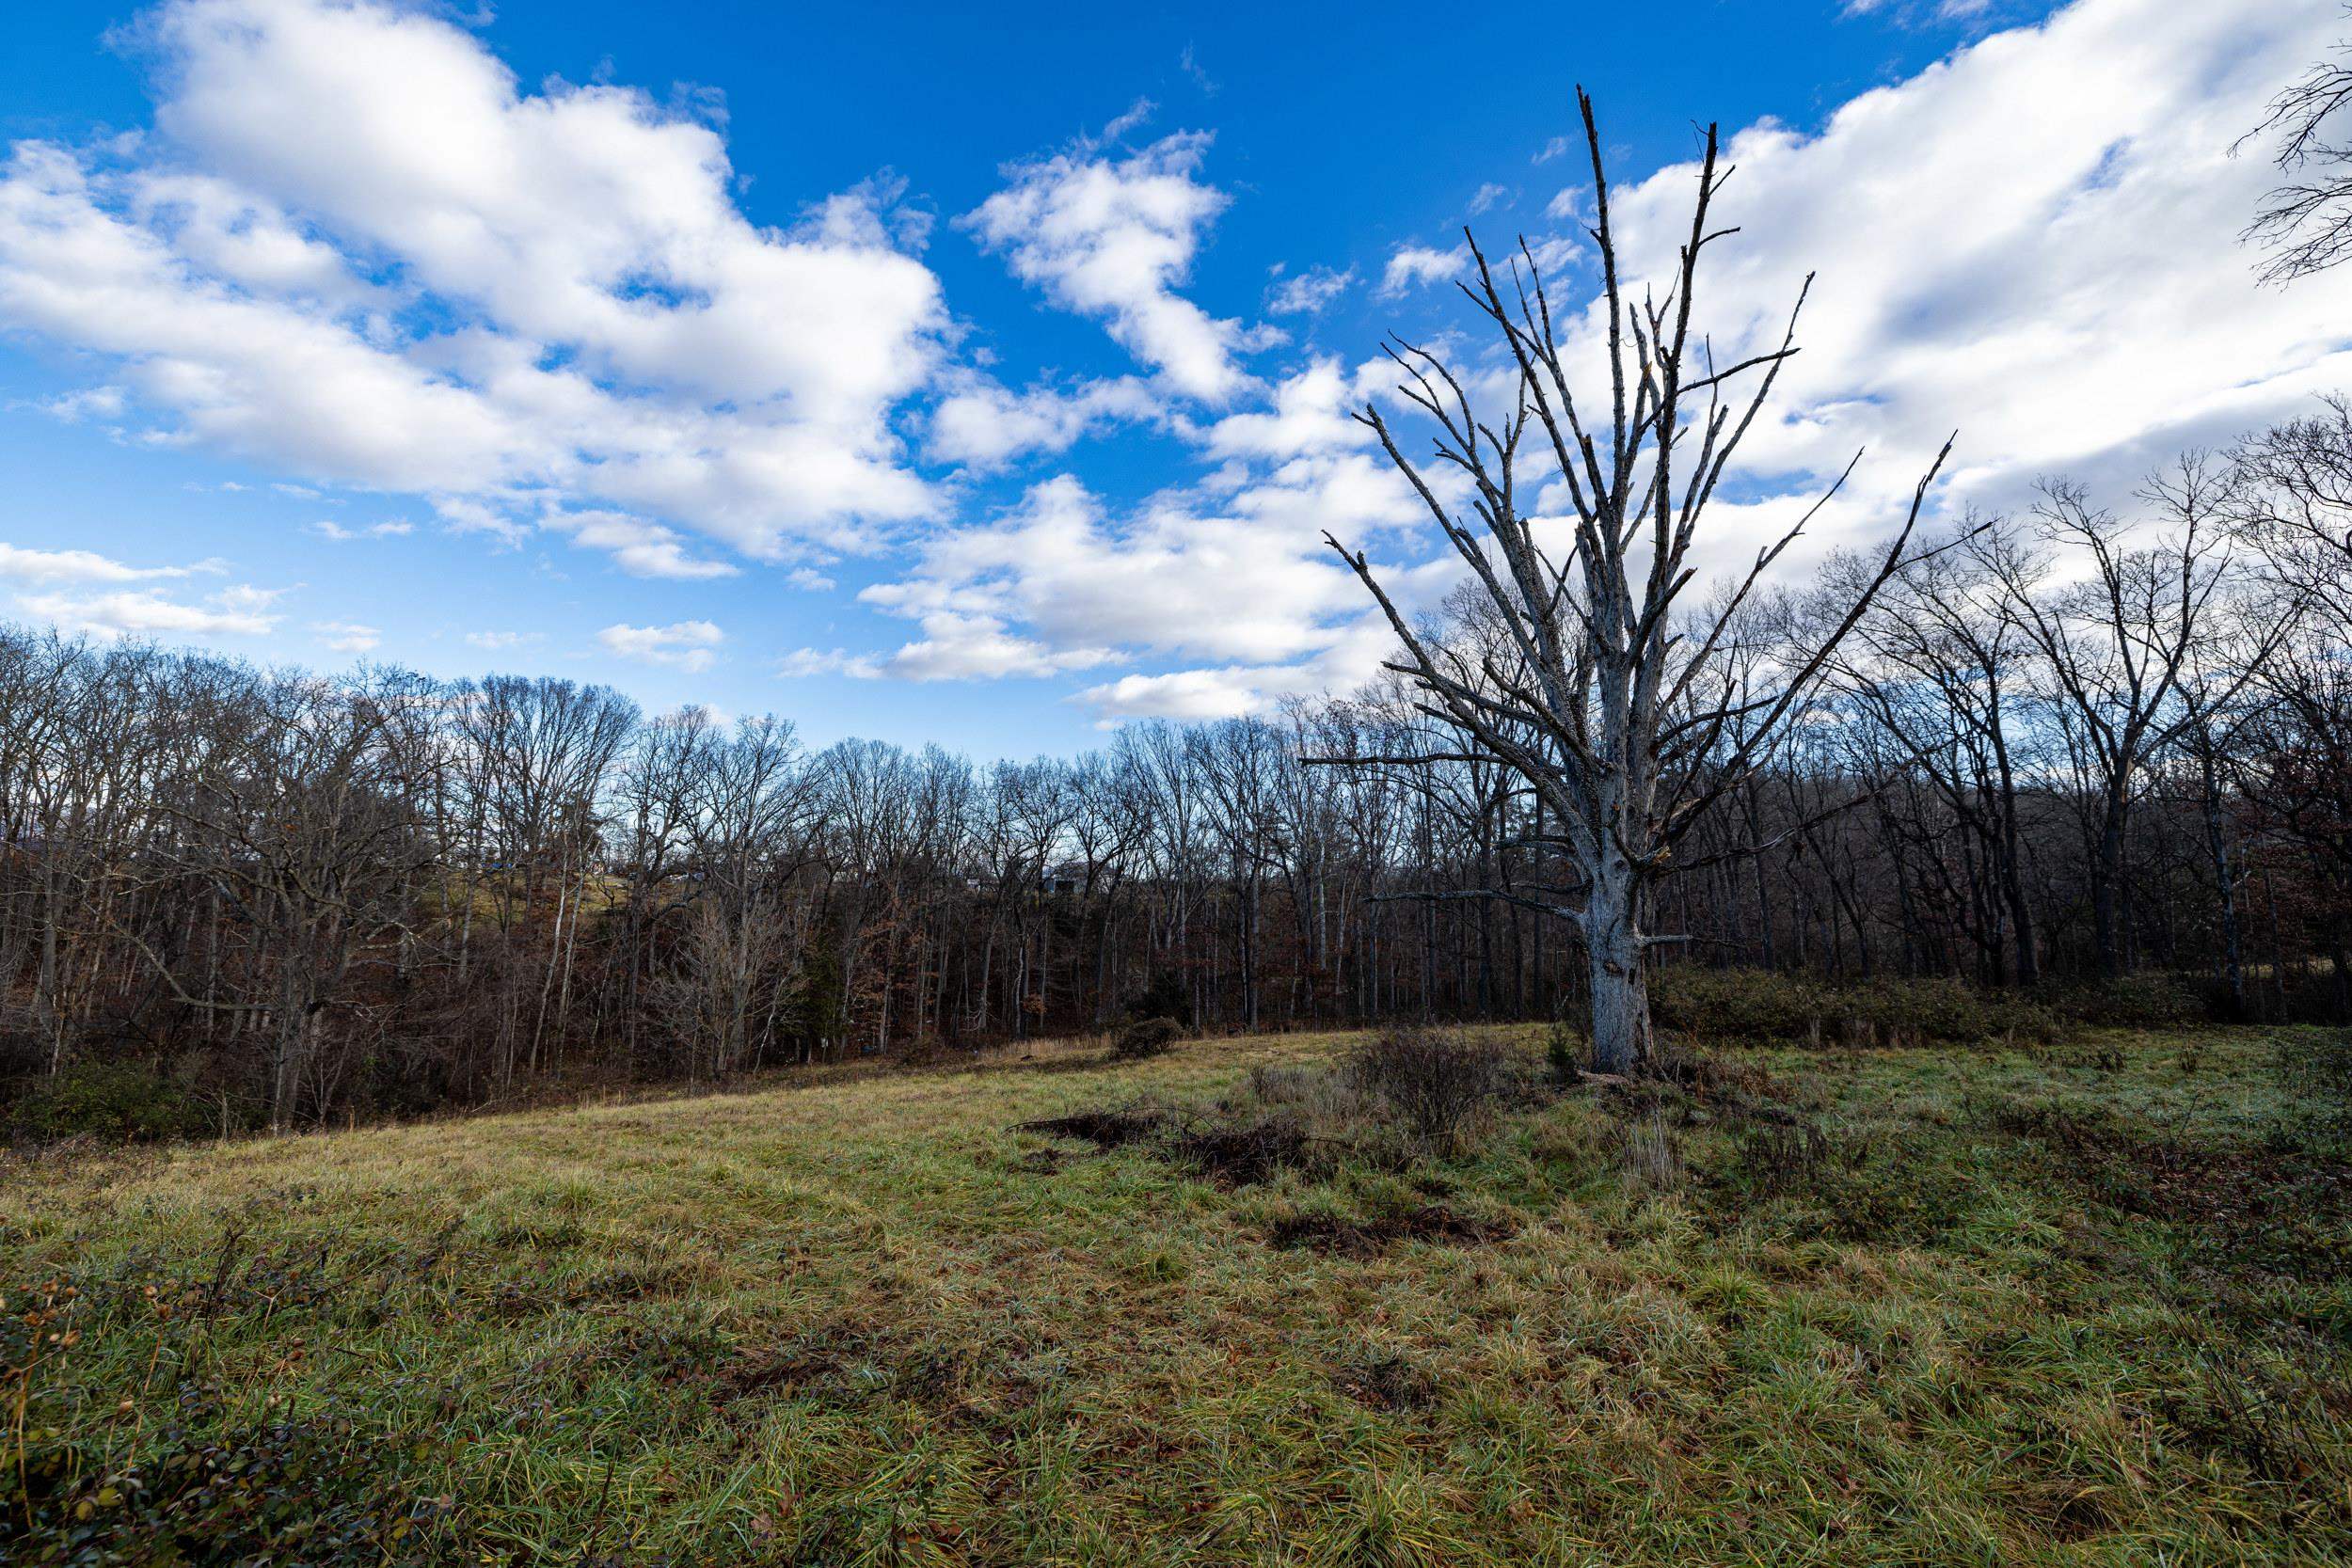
[(2291, 490), (2118, 644), (1614, 706), (1944, 670), (2305, 223)]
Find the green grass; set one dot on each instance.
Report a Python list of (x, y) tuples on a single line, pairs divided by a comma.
[(2086, 1305)]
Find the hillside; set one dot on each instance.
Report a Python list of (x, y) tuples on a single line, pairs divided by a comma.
[(2086, 1305)]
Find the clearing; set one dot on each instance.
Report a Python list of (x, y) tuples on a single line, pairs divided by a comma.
[(2088, 1303)]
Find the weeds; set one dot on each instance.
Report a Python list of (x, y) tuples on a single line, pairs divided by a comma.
[(1435, 1079)]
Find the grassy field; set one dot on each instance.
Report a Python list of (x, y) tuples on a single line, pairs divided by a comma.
[(2089, 1304)]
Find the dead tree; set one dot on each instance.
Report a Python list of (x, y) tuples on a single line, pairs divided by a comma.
[(1616, 705)]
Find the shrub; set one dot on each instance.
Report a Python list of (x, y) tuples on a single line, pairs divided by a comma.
[(2133, 1002), (1146, 1038), (1736, 1003), (1435, 1079), (1760, 1005), (1564, 1049), (1938, 1012), (128, 1100)]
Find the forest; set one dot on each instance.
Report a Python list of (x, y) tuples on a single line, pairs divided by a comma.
[(2098, 754)]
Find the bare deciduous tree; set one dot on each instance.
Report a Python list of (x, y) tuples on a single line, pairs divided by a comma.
[(2305, 224), (1616, 707)]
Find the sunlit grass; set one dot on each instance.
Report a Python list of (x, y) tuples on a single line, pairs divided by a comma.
[(864, 1319)]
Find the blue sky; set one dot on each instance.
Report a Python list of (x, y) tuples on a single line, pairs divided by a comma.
[(915, 373)]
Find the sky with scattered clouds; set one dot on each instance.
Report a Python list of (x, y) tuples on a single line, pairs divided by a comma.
[(912, 375)]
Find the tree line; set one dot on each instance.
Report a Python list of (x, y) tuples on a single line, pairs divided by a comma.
[(2059, 748)]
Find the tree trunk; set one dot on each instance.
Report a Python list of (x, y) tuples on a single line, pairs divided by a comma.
[(1621, 1027)]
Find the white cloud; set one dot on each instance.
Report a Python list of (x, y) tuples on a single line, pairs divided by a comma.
[(1113, 238), (1557, 147), (495, 640), (1233, 571), (1488, 195), (985, 424), (689, 645), (21, 565), (639, 548), (327, 527), (459, 515), (241, 611), (1411, 266), (839, 661), (810, 578), (92, 403), (346, 637), (1309, 292), (2034, 242), (578, 315)]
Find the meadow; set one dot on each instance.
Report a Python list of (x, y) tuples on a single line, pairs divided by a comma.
[(2087, 1303)]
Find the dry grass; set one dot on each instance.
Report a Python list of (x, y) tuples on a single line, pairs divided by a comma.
[(865, 1320)]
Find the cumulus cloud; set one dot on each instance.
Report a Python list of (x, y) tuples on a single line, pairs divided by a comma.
[(1113, 238), (76, 592), (689, 645), (2034, 242), (1307, 293), (1232, 571), (241, 611), (92, 403), (1411, 266), (640, 547), (355, 249), (985, 424)]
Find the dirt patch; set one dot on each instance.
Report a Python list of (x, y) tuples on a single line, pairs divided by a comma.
[(1233, 1154), (1241, 1155), (1103, 1129)]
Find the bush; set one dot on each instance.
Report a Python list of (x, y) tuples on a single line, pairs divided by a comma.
[(128, 1100), (2134, 1001), (1736, 1003), (1760, 1005), (1938, 1012), (1146, 1038), (1435, 1079)]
